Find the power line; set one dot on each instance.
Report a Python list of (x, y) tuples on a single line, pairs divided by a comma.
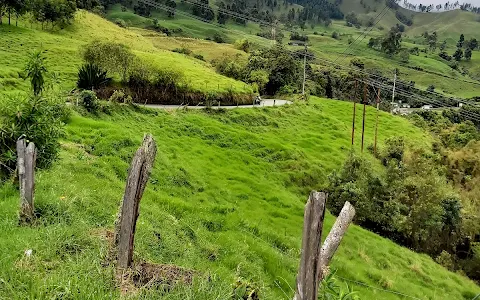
[(150, 2), (364, 33)]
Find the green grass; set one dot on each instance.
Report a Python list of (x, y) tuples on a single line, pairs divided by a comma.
[(225, 198), (63, 53)]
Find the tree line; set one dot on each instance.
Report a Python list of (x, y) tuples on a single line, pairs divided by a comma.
[(54, 12)]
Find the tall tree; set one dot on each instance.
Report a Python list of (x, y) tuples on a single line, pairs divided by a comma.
[(458, 54), (461, 41), (468, 54)]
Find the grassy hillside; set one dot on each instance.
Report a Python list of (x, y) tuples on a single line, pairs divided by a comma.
[(225, 198), (63, 52)]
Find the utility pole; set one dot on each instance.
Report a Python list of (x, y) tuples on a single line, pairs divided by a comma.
[(304, 69), (394, 86), (354, 112), (364, 111), (376, 123)]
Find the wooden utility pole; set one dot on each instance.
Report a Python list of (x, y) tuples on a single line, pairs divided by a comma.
[(315, 257), (364, 112), (376, 123), (137, 179), (354, 112), (394, 87), (304, 69), (26, 160)]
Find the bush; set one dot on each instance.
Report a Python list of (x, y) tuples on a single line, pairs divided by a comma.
[(218, 38), (41, 120), (121, 23), (183, 50), (88, 100), (199, 57), (120, 97), (91, 76), (112, 57), (444, 55), (335, 35), (244, 45)]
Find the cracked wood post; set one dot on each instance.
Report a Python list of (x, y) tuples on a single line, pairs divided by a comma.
[(26, 160), (138, 175), (307, 283), (334, 238)]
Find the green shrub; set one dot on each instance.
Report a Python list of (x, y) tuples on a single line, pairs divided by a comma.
[(88, 100), (183, 50), (121, 23), (41, 120), (335, 35), (91, 76), (199, 57), (120, 97)]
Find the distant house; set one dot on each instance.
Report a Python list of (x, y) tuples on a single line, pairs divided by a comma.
[(427, 107)]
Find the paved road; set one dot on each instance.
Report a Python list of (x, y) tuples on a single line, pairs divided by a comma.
[(264, 103)]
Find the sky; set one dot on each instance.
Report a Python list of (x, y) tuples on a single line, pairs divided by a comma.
[(435, 2)]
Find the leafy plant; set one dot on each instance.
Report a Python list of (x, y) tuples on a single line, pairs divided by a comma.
[(91, 76), (40, 120), (331, 291), (88, 100), (120, 97), (35, 70)]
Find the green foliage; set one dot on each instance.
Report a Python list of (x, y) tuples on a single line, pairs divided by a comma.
[(39, 119), (119, 96), (468, 54), (404, 56), (330, 290), (112, 57), (391, 43), (56, 12), (183, 50), (244, 290), (35, 70), (409, 203), (335, 35), (199, 57), (244, 45), (458, 54), (121, 23), (352, 20), (91, 76), (88, 100)]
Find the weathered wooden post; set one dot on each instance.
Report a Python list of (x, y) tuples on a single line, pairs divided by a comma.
[(334, 238), (26, 159), (307, 278), (137, 179), (315, 258)]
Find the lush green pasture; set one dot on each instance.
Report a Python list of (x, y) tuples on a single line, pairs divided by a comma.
[(225, 198), (63, 52)]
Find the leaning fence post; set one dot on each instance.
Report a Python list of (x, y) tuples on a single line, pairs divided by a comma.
[(26, 159), (307, 283), (138, 175), (315, 257), (331, 243)]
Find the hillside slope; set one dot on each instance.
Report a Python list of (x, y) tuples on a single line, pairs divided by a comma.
[(225, 198), (63, 51)]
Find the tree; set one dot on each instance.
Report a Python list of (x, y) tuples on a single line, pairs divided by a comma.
[(392, 42), (111, 57), (472, 44), (458, 54), (352, 20), (461, 41), (443, 46), (173, 5), (35, 70), (431, 88), (468, 54)]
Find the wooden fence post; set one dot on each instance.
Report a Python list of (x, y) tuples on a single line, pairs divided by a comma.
[(334, 238), (307, 283), (137, 179), (26, 160), (315, 258)]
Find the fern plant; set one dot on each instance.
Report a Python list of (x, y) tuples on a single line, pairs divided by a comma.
[(91, 76)]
